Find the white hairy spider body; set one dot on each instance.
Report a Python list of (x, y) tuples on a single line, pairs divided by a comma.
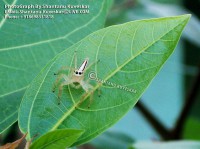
[(75, 78)]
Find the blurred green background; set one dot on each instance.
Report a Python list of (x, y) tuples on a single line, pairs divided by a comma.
[(169, 92)]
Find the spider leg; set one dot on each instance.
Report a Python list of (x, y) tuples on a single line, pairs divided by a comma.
[(75, 60), (94, 63), (68, 68), (91, 99), (86, 86), (99, 90), (58, 79), (61, 89), (90, 86), (63, 69)]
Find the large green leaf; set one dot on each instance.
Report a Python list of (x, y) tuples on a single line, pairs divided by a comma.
[(167, 145), (28, 44), (130, 55), (57, 139)]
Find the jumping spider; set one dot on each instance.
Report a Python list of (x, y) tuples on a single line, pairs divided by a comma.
[(75, 76)]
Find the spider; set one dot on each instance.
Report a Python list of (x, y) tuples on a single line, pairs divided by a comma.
[(75, 76)]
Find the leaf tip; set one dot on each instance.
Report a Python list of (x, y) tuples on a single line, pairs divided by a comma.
[(187, 16)]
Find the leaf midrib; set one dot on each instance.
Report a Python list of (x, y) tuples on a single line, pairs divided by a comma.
[(109, 76)]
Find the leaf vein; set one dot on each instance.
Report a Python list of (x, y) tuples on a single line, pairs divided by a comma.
[(116, 49), (31, 108), (15, 91), (58, 38)]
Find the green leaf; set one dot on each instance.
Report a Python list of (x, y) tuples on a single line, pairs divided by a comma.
[(167, 145), (168, 1), (28, 44), (130, 55), (191, 129), (57, 139)]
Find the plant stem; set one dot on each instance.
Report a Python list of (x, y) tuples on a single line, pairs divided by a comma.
[(189, 102), (176, 133), (156, 124)]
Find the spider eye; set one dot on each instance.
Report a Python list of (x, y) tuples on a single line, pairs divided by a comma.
[(79, 73), (76, 72)]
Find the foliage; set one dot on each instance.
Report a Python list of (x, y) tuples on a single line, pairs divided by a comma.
[(57, 139), (130, 54), (133, 61)]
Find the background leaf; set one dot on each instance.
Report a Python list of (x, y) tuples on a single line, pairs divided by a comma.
[(130, 54), (191, 129), (28, 44), (57, 139)]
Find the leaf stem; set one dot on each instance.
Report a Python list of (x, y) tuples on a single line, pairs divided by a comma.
[(156, 124), (189, 102)]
